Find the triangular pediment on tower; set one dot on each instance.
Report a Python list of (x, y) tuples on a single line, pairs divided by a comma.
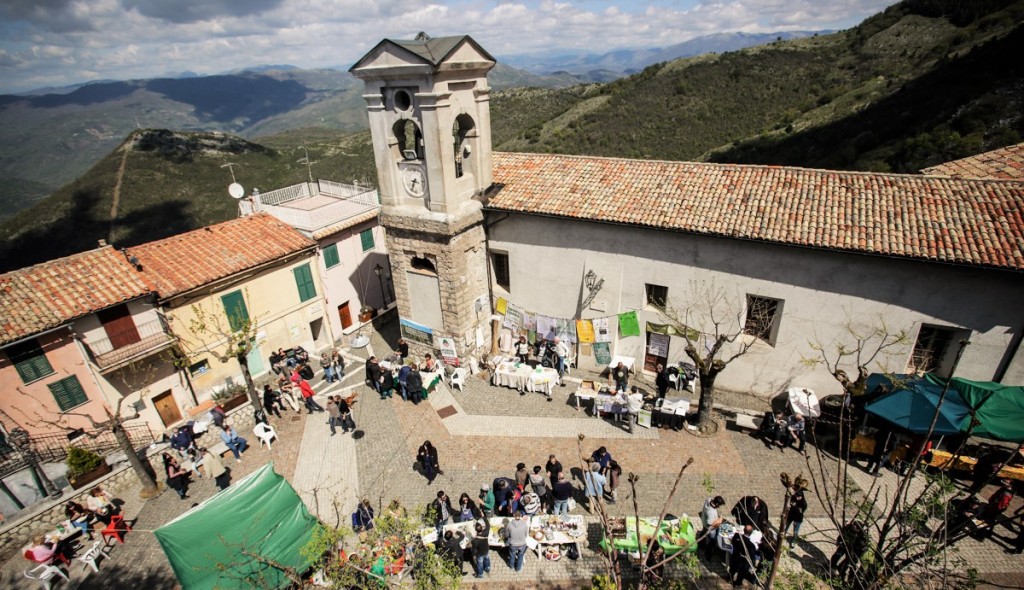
[(424, 53)]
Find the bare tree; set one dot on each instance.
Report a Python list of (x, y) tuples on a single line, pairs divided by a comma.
[(718, 328), (235, 340)]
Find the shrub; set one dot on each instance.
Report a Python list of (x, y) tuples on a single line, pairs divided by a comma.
[(81, 461)]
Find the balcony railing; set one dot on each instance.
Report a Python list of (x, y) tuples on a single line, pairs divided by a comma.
[(53, 447), (129, 345), (329, 203)]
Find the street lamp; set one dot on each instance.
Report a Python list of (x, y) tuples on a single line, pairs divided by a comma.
[(20, 439), (379, 271)]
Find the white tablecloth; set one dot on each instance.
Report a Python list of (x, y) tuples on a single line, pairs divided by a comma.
[(520, 377)]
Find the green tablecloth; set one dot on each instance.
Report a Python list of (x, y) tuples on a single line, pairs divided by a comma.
[(674, 536)]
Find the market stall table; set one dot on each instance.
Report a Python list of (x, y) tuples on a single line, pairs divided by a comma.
[(522, 377), (675, 535)]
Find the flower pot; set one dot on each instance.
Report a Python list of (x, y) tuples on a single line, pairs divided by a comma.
[(366, 315), (234, 402), (84, 479)]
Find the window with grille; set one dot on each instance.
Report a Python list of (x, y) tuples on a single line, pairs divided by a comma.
[(930, 349), (499, 262), (30, 360), (304, 281), (656, 295), (200, 368), (331, 257), (366, 237), (763, 315), (68, 393), (234, 308)]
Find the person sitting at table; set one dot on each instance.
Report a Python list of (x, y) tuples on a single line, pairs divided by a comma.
[(429, 365), (467, 509), (523, 349), (99, 499), (43, 551), (79, 517)]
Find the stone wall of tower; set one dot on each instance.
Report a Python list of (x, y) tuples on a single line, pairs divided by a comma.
[(458, 252)]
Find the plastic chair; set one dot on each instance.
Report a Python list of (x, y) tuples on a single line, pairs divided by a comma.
[(115, 529), (57, 557), (89, 557), (458, 378), (265, 433), (45, 572)]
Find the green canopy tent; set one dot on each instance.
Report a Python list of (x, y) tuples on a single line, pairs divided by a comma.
[(996, 410), (215, 544)]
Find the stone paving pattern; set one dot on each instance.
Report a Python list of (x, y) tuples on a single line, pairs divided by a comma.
[(493, 429)]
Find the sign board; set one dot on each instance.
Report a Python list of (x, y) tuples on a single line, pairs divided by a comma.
[(603, 353), (417, 332), (658, 344), (448, 353), (643, 418)]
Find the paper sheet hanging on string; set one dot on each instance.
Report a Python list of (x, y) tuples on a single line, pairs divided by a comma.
[(501, 306), (602, 333), (602, 353), (566, 329), (585, 331), (546, 327), (629, 325), (513, 319)]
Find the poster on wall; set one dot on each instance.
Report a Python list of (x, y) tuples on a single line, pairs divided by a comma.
[(501, 306), (546, 327), (601, 330), (629, 325), (448, 353), (417, 332), (603, 353), (585, 331), (658, 345), (513, 319), (566, 329)]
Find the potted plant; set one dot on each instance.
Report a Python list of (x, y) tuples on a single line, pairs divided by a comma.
[(84, 467), (231, 397)]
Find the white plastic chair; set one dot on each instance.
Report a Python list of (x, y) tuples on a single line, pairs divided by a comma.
[(265, 433), (89, 557), (458, 378), (45, 572)]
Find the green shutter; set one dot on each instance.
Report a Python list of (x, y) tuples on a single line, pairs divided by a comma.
[(331, 256), (234, 308), (30, 361), (304, 281), (68, 393), (366, 236)]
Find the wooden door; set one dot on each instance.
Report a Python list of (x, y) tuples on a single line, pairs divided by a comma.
[(167, 408), (346, 315), (119, 326)]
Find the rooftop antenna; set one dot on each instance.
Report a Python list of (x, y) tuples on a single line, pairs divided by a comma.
[(309, 165), (234, 189)]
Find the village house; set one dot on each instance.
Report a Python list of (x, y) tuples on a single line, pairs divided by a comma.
[(472, 235), (352, 258), (255, 274), (81, 336)]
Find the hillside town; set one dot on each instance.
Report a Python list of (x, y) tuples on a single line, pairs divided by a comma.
[(549, 371)]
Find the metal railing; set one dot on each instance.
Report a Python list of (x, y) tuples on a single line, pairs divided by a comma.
[(283, 195), (117, 348), (346, 201), (53, 447)]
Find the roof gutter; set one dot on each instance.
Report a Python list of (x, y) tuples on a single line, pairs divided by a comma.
[(66, 324)]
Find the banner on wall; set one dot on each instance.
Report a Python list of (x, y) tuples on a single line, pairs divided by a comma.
[(629, 325), (416, 332), (602, 353), (658, 345), (448, 352), (585, 331)]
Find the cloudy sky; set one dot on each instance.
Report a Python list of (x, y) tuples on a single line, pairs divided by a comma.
[(61, 42)]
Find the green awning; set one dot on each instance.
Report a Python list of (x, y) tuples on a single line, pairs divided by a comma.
[(996, 409), (214, 544)]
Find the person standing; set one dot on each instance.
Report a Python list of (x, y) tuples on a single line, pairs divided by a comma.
[(561, 492), (414, 383), (441, 509), (614, 473), (338, 365), (177, 477), (373, 373), (427, 456), (594, 486), (486, 497), (403, 350), (661, 380), (307, 397), (634, 403), (387, 384), (515, 535), (795, 517), (333, 415), (997, 504), (753, 511), (561, 353), (467, 510), (481, 551), (523, 349), (743, 562), (603, 458), (215, 468), (234, 442), (325, 364), (539, 485), (403, 381), (345, 411), (620, 374), (522, 475), (711, 520), (451, 549), (880, 455), (553, 468)]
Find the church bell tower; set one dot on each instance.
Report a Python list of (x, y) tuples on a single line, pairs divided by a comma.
[(428, 105)]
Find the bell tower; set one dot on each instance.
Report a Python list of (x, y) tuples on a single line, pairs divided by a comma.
[(429, 112)]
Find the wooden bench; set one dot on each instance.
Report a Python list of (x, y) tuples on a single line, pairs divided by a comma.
[(747, 421)]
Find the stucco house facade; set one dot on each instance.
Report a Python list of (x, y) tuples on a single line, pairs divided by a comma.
[(255, 273)]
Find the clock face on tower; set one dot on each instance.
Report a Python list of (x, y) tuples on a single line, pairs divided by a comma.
[(414, 181)]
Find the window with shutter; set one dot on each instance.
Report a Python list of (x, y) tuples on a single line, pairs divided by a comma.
[(30, 360), (234, 308), (331, 257), (304, 281), (68, 393), (366, 236)]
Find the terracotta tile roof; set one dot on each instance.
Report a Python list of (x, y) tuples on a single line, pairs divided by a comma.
[(973, 222), (44, 296), (1006, 163), (346, 223), (184, 262)]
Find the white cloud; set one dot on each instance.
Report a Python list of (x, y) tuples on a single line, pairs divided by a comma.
[(57, 42)]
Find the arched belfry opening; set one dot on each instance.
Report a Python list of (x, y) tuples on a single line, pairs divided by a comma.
[(464, 137), (409, 140)]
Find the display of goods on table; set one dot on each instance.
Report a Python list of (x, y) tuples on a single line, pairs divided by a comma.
[(675, 535)]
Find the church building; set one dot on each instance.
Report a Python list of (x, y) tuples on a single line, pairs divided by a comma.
[(793, 262)]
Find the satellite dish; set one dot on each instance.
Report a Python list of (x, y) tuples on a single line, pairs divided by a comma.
[(236, 190)]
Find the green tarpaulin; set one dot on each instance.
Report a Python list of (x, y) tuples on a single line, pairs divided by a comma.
[(674, 536), (212, 545), (996, 409)]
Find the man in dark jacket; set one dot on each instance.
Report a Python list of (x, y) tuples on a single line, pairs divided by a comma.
[(414, 383), (451, 549), (753, 511), (504, 489), (743, 561), (441, 509), (373, 373), (661, 381), (481, 551)]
